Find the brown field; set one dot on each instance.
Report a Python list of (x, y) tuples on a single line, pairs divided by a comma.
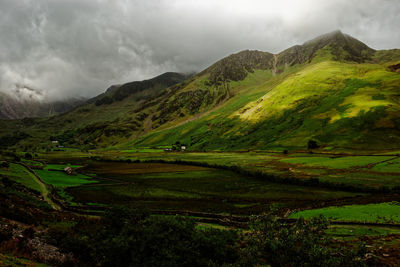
[(140, 168)]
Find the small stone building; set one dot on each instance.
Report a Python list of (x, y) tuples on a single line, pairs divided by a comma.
[(68, 170)]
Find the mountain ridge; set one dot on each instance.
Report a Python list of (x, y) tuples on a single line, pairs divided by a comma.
[(314, 90)]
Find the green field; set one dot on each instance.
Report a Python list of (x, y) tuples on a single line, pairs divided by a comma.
[(356, 170), (337, 162), (171, 186), (375, 213), (59, 179), (388, 166), (21, 175)]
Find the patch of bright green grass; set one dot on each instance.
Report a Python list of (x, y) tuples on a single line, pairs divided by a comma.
[(380, 213), (62, 180)]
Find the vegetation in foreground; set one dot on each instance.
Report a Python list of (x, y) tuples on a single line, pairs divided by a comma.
[(109, 240), (126, 237)]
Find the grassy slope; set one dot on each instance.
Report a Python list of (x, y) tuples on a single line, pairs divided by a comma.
[(21, 175), (338, 104)]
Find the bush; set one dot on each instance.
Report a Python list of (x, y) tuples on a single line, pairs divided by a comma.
[(130, 237), (312, 144), (5, 164), (300, 244)]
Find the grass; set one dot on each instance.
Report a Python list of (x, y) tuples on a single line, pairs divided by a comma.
[(10, 260), (375, 213), (336, 162), (356, 231), (388, 166), (59, 179), (53, 174), (338, 104), (362, 171), (144, 150), (21, 175), (171, 186), (32, 162)]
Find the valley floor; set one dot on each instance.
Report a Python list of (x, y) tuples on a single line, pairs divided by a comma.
[(220, 189)]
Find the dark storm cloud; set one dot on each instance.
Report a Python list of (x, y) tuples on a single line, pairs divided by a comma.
[(79, 47)]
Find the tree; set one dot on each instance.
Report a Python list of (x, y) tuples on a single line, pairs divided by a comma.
[(312, 144), (5, 164)]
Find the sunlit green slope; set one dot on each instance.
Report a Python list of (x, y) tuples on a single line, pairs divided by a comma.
[(333, 89), (338, 104)]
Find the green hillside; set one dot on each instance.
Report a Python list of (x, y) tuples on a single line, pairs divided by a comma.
[(333, 89), (336, 103)]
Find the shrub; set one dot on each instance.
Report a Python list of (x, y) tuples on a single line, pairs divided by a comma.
[(5, 164), (131, 237), (303, 243), (312, 144)]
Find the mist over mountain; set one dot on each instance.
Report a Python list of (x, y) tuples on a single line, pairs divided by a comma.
[(12, 107)]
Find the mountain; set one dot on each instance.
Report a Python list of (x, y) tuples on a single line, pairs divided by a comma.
[(333, 89), (18, 108), (114, 113)]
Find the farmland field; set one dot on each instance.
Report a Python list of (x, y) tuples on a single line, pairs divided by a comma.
[(172, 186), (379, 213), (59, 179)]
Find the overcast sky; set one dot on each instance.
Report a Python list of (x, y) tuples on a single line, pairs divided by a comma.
[(77, 48)]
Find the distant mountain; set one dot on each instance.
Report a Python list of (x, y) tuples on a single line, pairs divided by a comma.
[(333, 89), (17, 108)]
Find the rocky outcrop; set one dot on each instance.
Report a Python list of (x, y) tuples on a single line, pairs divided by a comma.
[(236, 66)]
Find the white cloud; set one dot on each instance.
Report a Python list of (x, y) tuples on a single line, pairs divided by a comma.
[(68, 48)]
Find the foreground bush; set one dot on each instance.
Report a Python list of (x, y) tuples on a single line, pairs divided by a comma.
[(128, 237), (301, 244)]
